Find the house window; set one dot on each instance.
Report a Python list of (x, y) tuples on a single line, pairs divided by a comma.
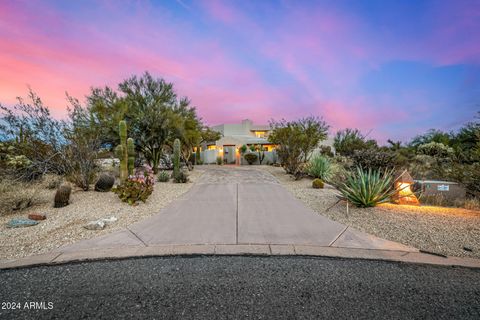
[(260, 134), (269, 147), (212, 147)]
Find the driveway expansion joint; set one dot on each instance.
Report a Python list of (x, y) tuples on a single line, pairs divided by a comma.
[(339, 235), (136, 236)]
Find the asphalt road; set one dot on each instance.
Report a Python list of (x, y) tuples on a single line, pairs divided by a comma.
[(223, 287)]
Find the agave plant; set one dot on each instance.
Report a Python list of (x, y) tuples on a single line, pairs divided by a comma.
[(368, 188), (320, 167)]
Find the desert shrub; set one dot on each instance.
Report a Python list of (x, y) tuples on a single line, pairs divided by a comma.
[(317, 183), (16, 196), (467, 175), (326, 151), (136, 188), (320, 167), (296, 140), (163, 176), (347, 141), (181, 177), (81, 149), (35, 138), (219, 160), (472, 204), (250, 157), (435, 149), (260, 151), (374, 159), (367, 188), (438, 200), (51, 181)]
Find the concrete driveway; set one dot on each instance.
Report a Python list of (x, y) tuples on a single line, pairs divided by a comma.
[(238, 206)]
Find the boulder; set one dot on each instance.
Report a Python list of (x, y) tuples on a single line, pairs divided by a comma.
[(95, 225), (100, 224), (37, 216), (20, 223)]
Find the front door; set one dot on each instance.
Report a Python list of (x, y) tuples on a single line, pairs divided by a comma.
[(229, 156)]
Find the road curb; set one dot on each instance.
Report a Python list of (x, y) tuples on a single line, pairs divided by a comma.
[(57, 258)]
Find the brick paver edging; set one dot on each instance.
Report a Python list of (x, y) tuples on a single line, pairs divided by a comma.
[(251, 249)]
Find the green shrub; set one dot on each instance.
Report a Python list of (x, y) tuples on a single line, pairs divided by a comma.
[(243, 149), (435, 149), (374, 159), (295, 141), (163, 176), (320, 167), (317, 184), (368, 188), (51, 181), (251, 157), (219, 160), (181, 177)]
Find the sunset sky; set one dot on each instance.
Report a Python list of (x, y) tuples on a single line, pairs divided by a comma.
[(395, 68)]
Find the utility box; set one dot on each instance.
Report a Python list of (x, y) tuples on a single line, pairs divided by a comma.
[(450, 191)]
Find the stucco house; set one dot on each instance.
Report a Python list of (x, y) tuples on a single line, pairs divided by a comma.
[(234, 136)]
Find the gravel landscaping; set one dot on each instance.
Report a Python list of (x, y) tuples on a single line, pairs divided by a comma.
[(66, 225), (436, 229)]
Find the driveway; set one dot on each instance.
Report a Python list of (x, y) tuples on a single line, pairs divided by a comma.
[(238, 206)]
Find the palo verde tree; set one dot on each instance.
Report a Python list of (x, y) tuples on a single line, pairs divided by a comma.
[(347, 141), (296, 140), (154, 114)]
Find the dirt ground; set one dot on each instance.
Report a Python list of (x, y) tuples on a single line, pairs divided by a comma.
[(65, 225)]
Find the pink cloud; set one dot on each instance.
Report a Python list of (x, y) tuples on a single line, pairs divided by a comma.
[(220, 11)]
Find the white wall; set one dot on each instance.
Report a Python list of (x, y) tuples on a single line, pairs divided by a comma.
[(209, 156)]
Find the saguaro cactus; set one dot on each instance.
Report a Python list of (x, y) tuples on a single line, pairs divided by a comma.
[(125, 151), (131, 155), (176, 158)]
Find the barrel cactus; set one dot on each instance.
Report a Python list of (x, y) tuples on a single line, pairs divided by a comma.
[(317, 184), (104, 183), (62, 196)]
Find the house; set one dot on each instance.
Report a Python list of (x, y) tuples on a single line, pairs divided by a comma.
[(234, 136)]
